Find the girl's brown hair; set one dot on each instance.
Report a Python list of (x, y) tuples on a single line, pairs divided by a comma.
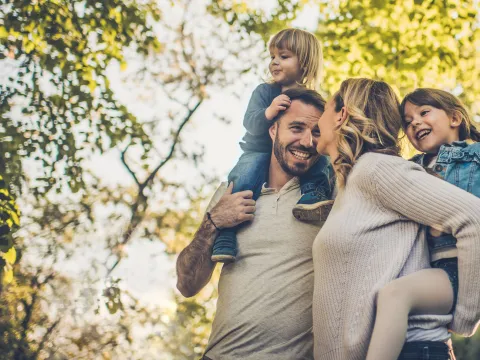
[(308, 50), (373, 122), (447, 102)]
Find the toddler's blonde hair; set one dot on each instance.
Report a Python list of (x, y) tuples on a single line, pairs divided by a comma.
[(308, 50)]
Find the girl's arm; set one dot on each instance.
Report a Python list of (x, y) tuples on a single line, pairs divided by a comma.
[(255, 120), (406, 188)]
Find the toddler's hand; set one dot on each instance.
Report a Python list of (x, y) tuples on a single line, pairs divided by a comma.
[(280, 103)]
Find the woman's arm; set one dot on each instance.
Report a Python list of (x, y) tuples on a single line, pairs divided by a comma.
[(406, 188)]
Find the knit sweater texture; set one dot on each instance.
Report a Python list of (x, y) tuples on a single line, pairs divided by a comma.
[(373, 235)]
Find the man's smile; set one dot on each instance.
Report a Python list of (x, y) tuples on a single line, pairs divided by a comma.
[(301, 155)]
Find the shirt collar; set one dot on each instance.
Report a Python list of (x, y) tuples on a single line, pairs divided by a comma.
[(293, 183)]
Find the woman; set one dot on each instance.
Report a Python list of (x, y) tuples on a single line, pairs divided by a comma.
[(373, 233)]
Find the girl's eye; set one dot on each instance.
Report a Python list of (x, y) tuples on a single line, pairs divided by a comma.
[(284, 57), (424, 112)]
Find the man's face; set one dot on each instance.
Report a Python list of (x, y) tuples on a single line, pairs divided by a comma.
[(295, 138)]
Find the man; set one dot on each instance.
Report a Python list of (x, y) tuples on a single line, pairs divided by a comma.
[(265, 297)]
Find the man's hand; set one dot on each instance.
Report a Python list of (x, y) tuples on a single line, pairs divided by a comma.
[(194, 264), (233, 209), (280, 103)]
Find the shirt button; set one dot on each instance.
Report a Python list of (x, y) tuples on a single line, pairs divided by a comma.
[(438, 168)]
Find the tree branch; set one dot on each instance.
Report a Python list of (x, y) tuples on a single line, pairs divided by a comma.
[(141, 199), (174, 143), (124, 161), (45, 337)]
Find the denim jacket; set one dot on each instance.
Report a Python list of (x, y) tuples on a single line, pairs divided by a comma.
[(459, 164)]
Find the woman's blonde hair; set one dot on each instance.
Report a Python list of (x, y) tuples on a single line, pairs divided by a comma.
[(308, 50), (373, 123), (447, 102)]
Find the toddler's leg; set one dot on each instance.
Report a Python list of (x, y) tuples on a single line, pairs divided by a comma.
[(317, 187), (250, 173), (428, 291)]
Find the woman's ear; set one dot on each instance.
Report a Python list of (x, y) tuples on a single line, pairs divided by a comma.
[(456, 119), (341, 116)]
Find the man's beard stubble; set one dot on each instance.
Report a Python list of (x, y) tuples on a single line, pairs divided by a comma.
[(279, 151)]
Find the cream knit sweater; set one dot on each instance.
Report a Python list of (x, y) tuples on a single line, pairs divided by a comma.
[(372, 236)]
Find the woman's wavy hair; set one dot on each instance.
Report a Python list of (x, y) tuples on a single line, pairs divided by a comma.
[(373, 123), (447, 102), (308, 50)]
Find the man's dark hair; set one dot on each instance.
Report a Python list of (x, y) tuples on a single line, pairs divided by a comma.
[(306, 96)]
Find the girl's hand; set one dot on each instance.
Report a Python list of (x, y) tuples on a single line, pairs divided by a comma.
[(280, 103)]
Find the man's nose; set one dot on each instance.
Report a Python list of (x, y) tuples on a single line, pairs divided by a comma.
[(307, 139)]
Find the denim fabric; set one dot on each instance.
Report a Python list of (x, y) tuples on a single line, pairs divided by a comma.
[(319, 178), (250, 173), (459, 164), (425, 350), (441, 242), (450, 266)]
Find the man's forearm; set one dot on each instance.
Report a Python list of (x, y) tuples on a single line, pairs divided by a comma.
[(194, 266)]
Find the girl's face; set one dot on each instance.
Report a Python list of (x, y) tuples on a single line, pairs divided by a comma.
[(328, 125), (428, 128), (284, 67)]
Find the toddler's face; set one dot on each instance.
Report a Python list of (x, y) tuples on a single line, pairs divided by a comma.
[(284, 67), (428, 128)]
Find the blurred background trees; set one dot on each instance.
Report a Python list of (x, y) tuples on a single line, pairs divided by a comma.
[(108, 111)]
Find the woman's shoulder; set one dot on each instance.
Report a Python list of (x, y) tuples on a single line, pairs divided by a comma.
[(378, 160), (374, 167)]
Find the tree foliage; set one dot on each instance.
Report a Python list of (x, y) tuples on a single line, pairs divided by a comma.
[(59, 112), (56, 53), (9, 221)]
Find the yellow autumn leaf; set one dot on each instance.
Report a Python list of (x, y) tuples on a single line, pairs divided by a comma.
[(7, 276), (3, 32), (14, 217), (11, 255)]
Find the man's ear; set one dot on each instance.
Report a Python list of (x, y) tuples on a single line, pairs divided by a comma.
[(456, 119), (341, 116), (273, 130)]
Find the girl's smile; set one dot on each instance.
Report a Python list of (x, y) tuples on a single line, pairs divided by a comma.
[(428, 128)]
